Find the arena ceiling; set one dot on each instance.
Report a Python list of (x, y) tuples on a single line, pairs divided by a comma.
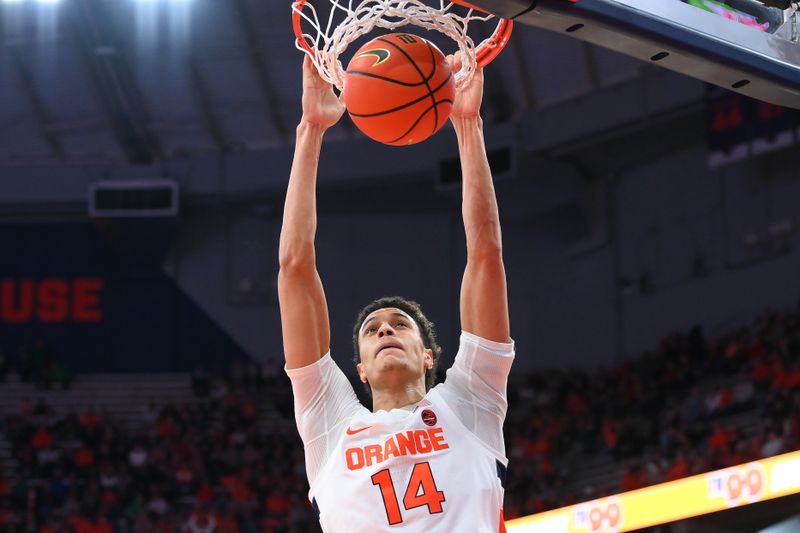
[(142, 81)]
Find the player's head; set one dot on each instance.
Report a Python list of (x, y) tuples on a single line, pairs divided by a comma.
[(393, 339)]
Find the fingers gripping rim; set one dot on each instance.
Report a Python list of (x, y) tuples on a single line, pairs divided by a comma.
[(485, 53)]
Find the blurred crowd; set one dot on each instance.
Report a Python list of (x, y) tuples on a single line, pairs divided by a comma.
[(693, 405), (203, 467), (220, 464)]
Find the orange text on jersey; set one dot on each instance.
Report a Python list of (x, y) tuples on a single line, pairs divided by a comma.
[(414, 442)]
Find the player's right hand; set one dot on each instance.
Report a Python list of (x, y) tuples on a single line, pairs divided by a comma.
[(321, 106), (468, 100)]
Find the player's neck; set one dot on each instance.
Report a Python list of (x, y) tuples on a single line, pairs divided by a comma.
[(388, 399)]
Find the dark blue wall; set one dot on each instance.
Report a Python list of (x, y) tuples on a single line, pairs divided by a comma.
[(141, 321)]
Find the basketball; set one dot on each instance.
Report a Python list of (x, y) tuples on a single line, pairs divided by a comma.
[(399, 89)]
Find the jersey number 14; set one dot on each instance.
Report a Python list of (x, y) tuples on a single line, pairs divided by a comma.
[(421, 491)]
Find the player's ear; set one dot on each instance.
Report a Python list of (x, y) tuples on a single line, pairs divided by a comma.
[(428, 358), (362, 374)]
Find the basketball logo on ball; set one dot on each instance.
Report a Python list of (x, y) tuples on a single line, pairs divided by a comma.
[(399, 89), (381, 55)]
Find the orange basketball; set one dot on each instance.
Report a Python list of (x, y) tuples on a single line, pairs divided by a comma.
[(399, 89)]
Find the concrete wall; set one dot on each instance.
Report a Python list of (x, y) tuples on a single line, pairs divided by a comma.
[(564, 263), (675, 210)]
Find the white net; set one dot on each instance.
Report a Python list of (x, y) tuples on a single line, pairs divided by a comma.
[(348, 20)]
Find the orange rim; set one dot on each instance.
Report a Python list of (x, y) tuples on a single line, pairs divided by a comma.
[(467, 4), (484, 54), (491, 48), (298, 30)]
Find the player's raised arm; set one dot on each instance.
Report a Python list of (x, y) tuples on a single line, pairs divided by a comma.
[(484, 301), (304, 311)]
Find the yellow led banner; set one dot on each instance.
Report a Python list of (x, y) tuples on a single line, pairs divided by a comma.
[(660, 504)]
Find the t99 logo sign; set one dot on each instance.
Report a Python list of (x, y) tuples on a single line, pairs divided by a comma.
[(742, 485), (603, 516)]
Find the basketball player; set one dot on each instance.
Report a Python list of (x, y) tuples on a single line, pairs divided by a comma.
[(425, 459)]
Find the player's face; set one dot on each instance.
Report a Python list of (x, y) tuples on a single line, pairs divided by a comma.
[(391, 349)]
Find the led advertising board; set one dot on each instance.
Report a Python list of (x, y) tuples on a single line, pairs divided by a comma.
[(675, 500)]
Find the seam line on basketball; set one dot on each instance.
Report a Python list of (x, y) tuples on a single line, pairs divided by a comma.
[(421, 75), (384, 78), (433, 97), (416, 67), (408, 104), (435, 107)]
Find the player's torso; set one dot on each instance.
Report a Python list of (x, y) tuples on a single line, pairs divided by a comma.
[(413, 472)]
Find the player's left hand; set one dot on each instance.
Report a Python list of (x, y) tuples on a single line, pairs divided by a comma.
[(468, 100), (321, 106)]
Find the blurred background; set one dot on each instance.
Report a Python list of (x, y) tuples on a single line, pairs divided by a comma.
[(650, 231)]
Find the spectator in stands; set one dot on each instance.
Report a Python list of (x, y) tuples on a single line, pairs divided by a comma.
[(633, 478), (138, 456), (714, 401), (201, 521), (42, 439), (773, 444), (679, 468), (84, 459), (744, 391), (655, 469), (718, 442)]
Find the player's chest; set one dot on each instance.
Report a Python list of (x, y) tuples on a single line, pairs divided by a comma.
[(390, 438), (393, 470)]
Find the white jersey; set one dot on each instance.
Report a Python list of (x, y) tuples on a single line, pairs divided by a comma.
[(438, 467)]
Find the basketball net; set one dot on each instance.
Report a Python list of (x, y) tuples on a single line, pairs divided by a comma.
[(330, 39)]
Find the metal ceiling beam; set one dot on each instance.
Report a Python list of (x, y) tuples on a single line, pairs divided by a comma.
[(36, 104), (113, 79), (203, 101), (256, 59)]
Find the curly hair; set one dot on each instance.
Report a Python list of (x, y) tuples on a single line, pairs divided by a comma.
[(426, 330)]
